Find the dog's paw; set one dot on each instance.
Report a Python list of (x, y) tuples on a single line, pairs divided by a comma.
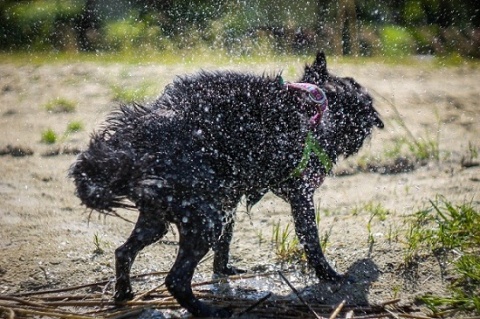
[(229, 271), (122, 297), (221, 313)]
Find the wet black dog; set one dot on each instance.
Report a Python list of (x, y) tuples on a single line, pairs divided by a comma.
[(211, 138)]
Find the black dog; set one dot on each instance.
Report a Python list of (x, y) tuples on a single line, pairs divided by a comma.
[(208, 140)]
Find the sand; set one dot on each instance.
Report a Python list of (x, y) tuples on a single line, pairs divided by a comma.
[(48, 240)]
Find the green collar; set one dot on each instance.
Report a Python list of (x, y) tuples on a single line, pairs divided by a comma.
[(311, 145)]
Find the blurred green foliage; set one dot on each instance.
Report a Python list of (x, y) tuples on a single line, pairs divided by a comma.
[(241, 27), (396, 41)]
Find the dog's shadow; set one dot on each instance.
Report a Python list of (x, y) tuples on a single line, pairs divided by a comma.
[(354, 291)]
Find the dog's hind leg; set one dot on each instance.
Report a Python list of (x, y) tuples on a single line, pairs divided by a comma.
[(303, 211), (196, 236), (149, 228)]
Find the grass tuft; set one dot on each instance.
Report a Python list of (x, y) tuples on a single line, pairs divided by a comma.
[(452, 232), (49, 136), (131, 95), (287, 245), (60, 105), (73, 127), (98, 245)]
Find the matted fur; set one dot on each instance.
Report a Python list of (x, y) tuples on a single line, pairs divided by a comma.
[(209, 139)]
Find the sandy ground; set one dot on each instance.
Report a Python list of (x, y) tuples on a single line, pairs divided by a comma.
[(47, 238)]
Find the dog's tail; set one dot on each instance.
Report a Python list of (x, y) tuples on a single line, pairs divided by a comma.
[(101, 176), (104, 172)]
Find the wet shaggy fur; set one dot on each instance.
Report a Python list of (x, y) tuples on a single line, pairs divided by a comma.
[(210, 139)]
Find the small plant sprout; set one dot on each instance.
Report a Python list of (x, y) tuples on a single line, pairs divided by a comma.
[(473, 151), (49, 136), (375, 210), (470, 159), (97, 242), (260, 237), (286, 243), (73, 127), (325, 239)]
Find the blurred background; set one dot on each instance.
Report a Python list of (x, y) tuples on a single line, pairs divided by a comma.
[(244, 27)]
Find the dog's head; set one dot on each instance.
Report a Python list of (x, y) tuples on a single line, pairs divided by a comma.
[(350, 116)]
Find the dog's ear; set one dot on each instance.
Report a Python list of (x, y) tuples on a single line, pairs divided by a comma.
[(320, 63), (317, 72)]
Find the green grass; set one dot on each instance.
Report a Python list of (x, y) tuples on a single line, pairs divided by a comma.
[(60, 105), (207, 56), (396, 41), (473, 151), (49, 136), (73, 127), (287, 245), (452, 233), (376, 211), (129, 95), (420, 148), (98, 245)]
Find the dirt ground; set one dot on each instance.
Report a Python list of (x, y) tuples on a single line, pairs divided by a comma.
[(48, 241)]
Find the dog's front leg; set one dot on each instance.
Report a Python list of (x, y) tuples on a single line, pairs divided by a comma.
[(303, 211), (222, 250)]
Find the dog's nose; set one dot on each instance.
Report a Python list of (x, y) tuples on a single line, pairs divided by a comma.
[(377, 121)]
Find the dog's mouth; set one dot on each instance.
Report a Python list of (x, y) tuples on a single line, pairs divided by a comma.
[(312, 94)]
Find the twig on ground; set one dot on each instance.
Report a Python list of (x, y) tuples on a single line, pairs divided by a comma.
[(389, 302), (406, 315), (298, 295), (256, 304), (337, 310), (98, 283), (148, 292)]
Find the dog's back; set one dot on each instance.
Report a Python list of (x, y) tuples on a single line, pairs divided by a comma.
[(209, 133)]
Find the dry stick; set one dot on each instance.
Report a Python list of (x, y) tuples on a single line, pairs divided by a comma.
[(394, 315), (374, 316), (103, 282), (337, 310), (406, 315), (298, 295), (256, 304), (21, 301), (50, 314), (11, 313), (146, 293), (70, 297), (389, 302), (128, 314)]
